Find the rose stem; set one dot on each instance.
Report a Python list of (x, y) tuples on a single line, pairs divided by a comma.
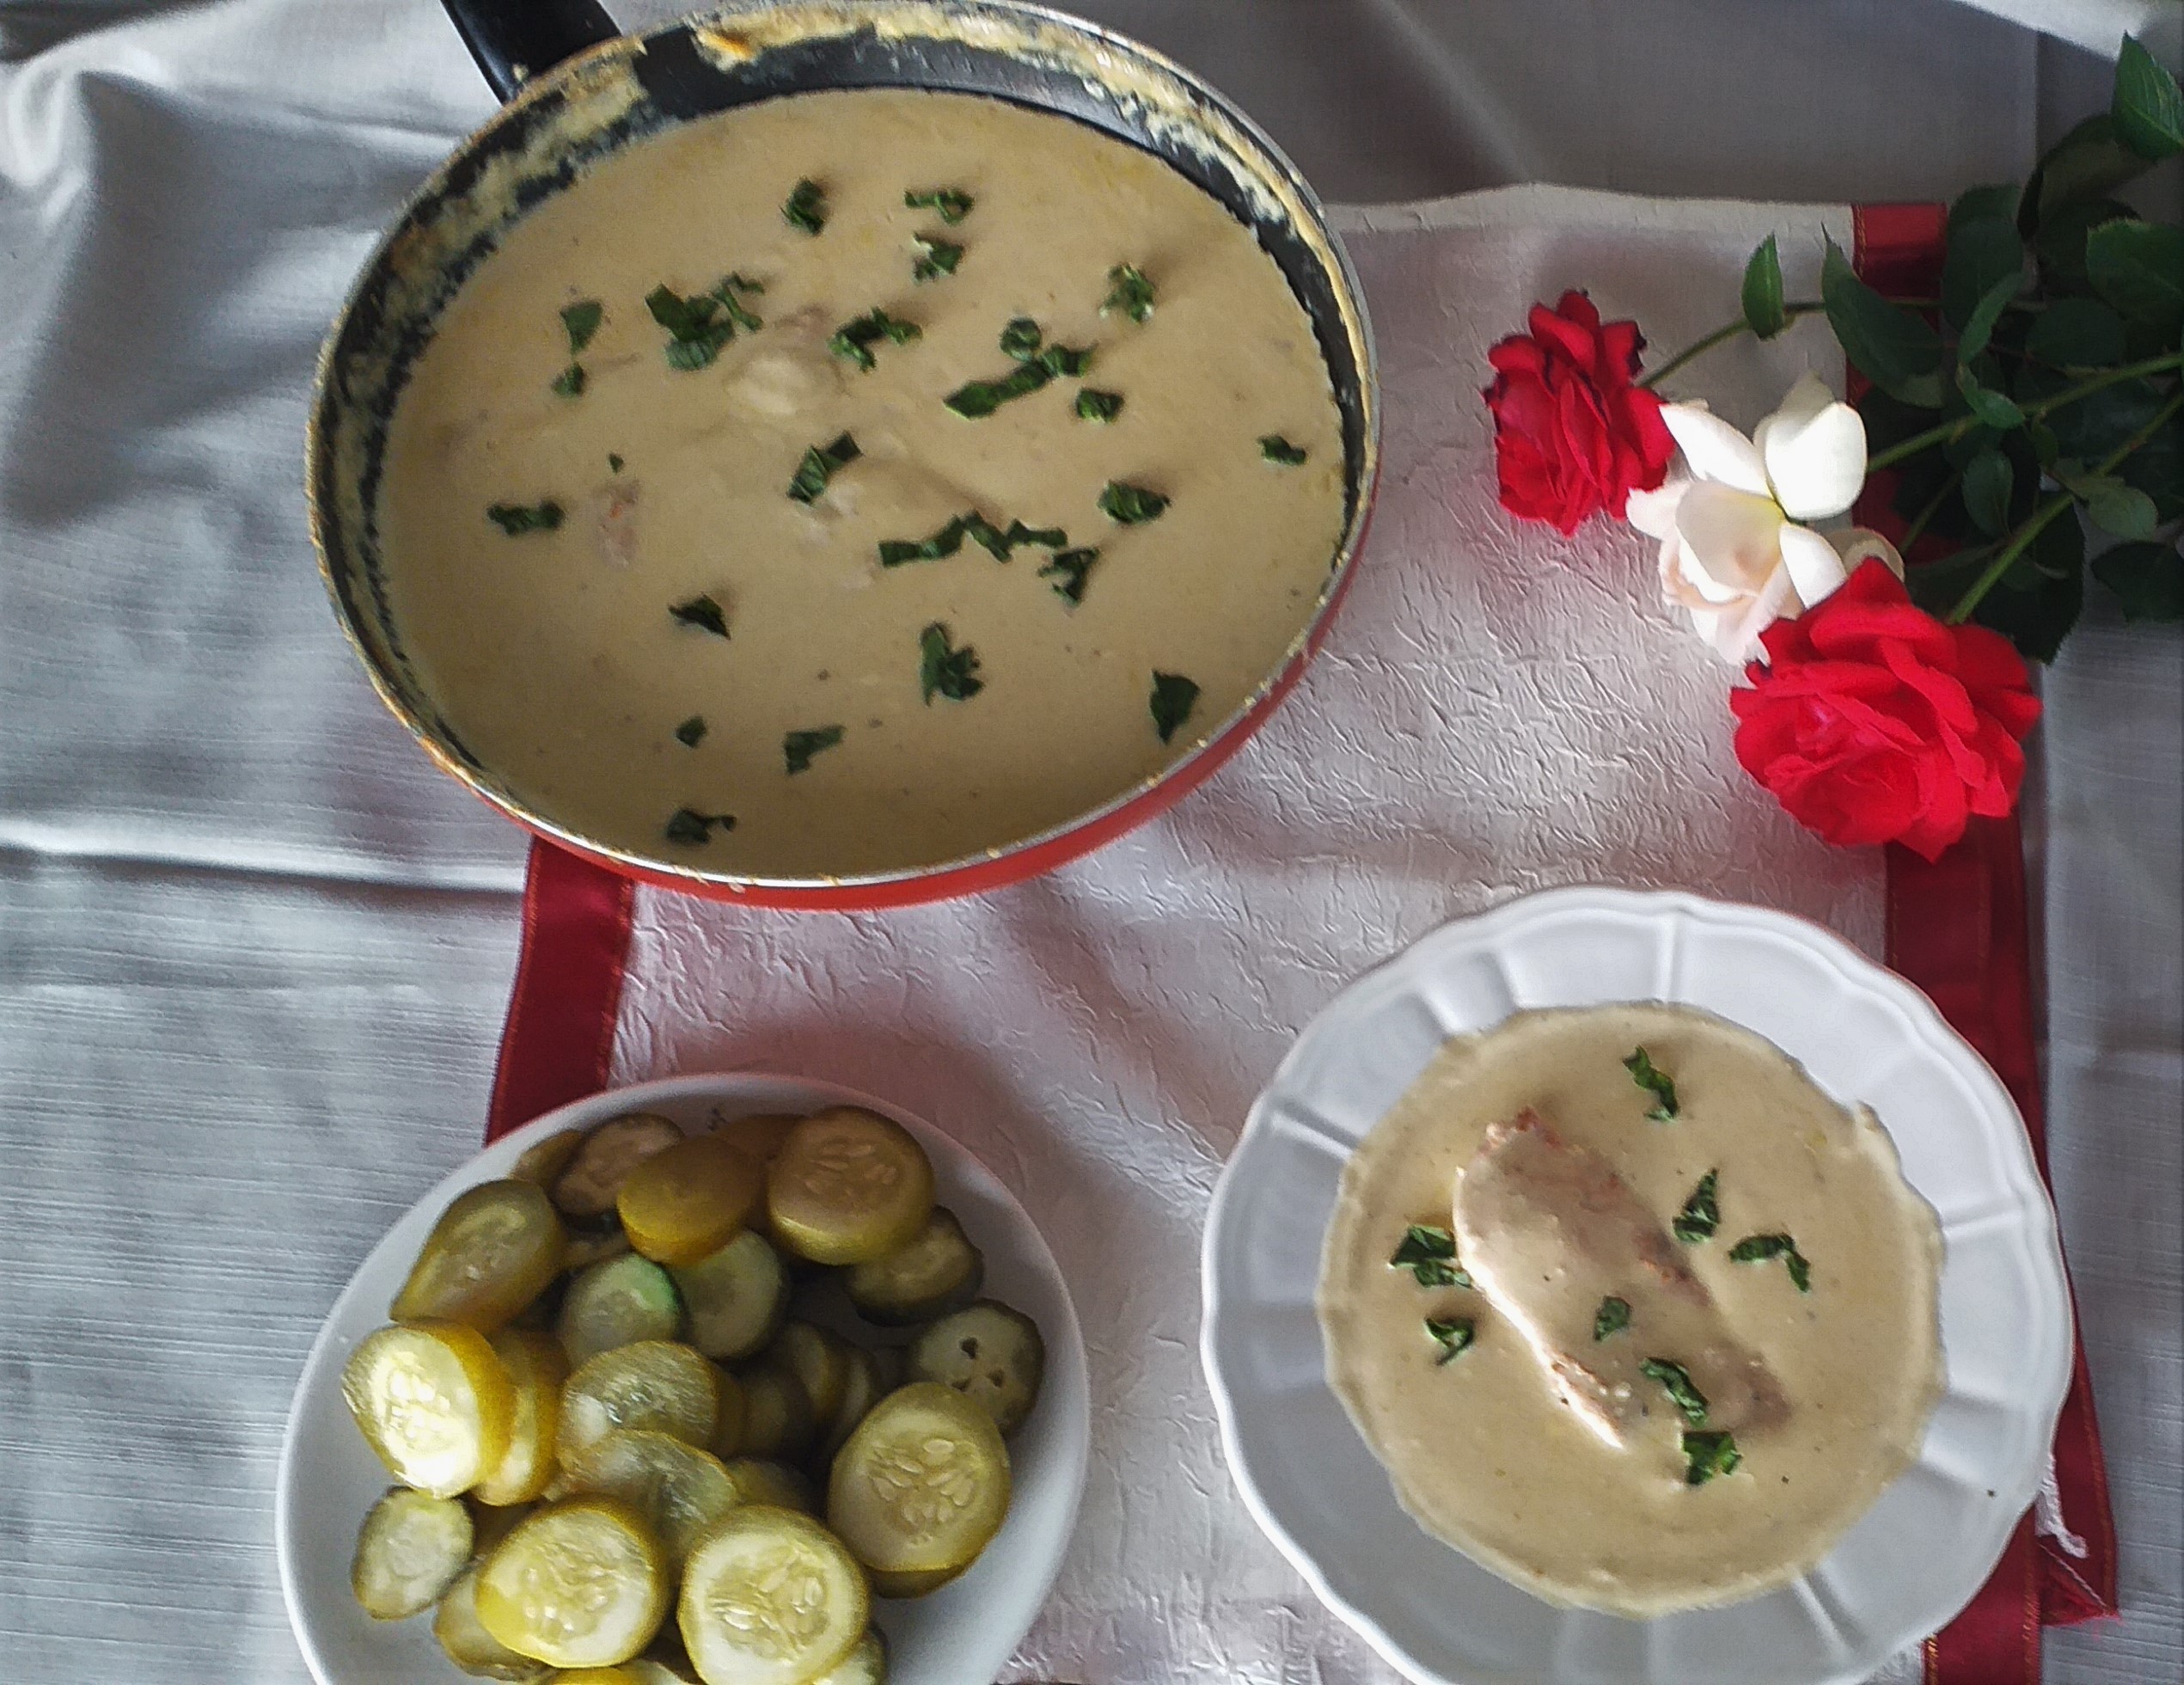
[(1948, 432)]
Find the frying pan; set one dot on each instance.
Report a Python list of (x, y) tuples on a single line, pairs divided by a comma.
[(577, 91)]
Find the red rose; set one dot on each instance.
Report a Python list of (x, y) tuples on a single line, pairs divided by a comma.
[(1571, 434), (1873, 722)]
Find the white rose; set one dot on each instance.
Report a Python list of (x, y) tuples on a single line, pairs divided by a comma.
[(1735, 550)]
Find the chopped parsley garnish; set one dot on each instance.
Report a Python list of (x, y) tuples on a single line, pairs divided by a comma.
[(1066, 360), (1276, 449), (703, 613), (693, 829), (806, 207), (698, 326), (614, 463), (1127, 506), (953, 205), (894, 552), (1093, 405), (1656, 1082), (1701, 1216), (941, 257), (818, 466), (1429, 1254), (1173, 697), (518, 518), (799, 747), (1128, 292), (691, 731), (946, 672), (1069, 569), (570, 382), (1453, 1336), (1672, 1376), (855, 339), (582, 321), (1022, 338), (1706, 1454), (1611, 1318), (1757, 1248)]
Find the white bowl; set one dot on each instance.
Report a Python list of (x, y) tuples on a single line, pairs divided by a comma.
[(1906, 1568), (964, 1632)]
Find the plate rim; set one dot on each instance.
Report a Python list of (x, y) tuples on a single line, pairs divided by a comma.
[(1658, 906), (683, 1086)]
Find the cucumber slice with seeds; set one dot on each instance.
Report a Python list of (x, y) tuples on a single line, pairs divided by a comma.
[(651, 1383), (864, 1665), (849, 1185), (771, 1598), (778, 1420), (760, 1136), (434, 1401), (923, 1484), (913, 1583), (618, 1302), (580, 1585), (543, 1161), (987, 1352), (763, 1480), (467, 1642), (937, 1272), (536, 1370), (816, 1358), (492, 1252), (860, 1393), (680, 1490), (688, 1201), (736, 1298), (589, 1187), (409, 1550)]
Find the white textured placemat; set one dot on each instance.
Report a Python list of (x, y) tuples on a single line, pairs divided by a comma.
[(1497, 709)]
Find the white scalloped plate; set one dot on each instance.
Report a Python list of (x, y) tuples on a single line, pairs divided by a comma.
[(1907, 1568), (966, 1631)]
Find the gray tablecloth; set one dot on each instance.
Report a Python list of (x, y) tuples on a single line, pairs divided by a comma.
[(252, 954)]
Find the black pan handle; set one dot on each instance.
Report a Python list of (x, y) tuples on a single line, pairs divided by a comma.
[(513, 40)]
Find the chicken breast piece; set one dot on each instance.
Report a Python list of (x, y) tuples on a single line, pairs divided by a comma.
[(1548, 1232)]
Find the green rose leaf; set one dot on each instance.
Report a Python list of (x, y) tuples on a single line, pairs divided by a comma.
[(1976, 205), (2076, 334), (1988, 481), (2147, 110), (2103, 421), (1895, 349), (2148, 580), (1978, 326), (2040, 599), (1980, 255), (2156, 468), (1763, 312), (2061, 243), (2138, 268), (2088, 162), (2122, 511), (1992, 407)]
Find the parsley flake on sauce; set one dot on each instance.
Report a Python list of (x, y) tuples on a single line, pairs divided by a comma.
[(614, 463), (1454, 1337), (1173, 697), (692, 829), (1429, 1254), (953, 205), (944, 670), (1701, 1215), (698, 326), (1706, 1454), (1276, 449), (820, 462), (702, 612), (1069, 570), (1757, 1248), (941, 257), (1656, 1081), (1093, 405), (514, 518), (691, 731), (1611, 1318), (582, 321), (1678, 1383), (799, 747), (1128, 292), (806, 207), (855, 339), (998, 542), (1021, 339), (1130, 505), (570, 382)]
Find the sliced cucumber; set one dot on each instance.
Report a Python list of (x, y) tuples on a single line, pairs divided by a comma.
[(759, 1136), (989, 1353), (543, 1161), (434, 1401), (536, 1369), (589, 1187), (651, 1383), (860, 1393), (816, 1358), (913, 1583), (680, 1490), (849, 1185), (923, 1484), (771, 1598), (736, 1298), (467, 1642), (763, 1480), (580, 1585), (939, 1271), (624, 1300), (864, 1665), (593, 1243), (778, 1421), (688, 1201), (409, 1551), (492, 1252)]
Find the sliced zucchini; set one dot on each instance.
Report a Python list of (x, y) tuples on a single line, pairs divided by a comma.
[(864, 1665), (736, 1298), (651, 1669), (467, 1642), (763, 1480), (543, 1161), (689, 1200), (732, 1416), (624, 1300), (778, 1420), (579, 1585), (913, 1583), (409, 1551), (680, 1490), (816, 1358), (923, 1483), (624, 1674), (860, 1393), (593, 1243), (937, 1273), (650, 1383), (492, 1252), (987, 1352), (588, 1188), (771, 1598), (759, 1136), (849, 1185), (434, 1401), (536, 1370)]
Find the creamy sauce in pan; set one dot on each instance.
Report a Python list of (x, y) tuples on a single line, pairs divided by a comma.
[(552, 653), (1487, 1452)]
